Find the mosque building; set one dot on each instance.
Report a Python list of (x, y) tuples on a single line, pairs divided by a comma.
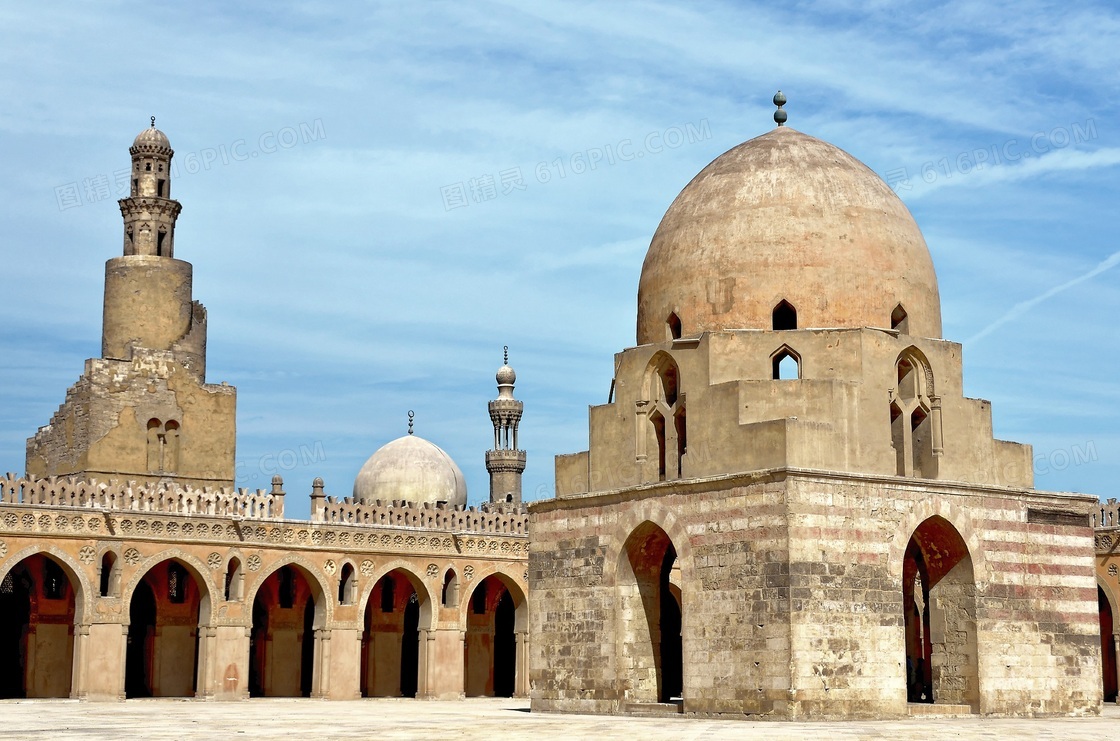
[(131, 567), (787, 508)]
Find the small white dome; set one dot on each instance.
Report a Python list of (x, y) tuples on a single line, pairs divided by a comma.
[(411, 469)]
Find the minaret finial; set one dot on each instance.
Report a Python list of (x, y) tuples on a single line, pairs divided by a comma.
[(411, 416), (153, 122), (505, 354), (780, 115)]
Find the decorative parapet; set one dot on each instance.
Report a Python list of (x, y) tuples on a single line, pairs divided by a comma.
[(495, 520), (144, 497), (1108, 516)]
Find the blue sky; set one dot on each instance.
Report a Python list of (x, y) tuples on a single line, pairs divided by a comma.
[(377, 198)]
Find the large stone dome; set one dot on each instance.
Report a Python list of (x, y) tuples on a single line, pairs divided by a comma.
[(788, 217), (411, 469)]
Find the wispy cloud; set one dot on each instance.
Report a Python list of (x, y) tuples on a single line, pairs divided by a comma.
[(343, 292), (1024, 307)]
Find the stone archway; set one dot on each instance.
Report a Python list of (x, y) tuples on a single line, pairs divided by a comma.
[(494, 631), (396, 617), (38, 605), (288, 611), (1110, 673), (168, 606), (649, 618), (939, 603)]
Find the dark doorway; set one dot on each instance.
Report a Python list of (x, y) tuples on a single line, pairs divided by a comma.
[(671, 663), (15, 622), (257, 640), (1108, 646), (410, 647), (141, 631), (307, 663), (505, 647)]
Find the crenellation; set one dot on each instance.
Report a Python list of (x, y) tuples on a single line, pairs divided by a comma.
[(56, 491)]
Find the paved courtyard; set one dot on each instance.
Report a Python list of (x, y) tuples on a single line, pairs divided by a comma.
[(313, 720)]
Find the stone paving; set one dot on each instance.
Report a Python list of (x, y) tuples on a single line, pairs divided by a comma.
[(475, 719)]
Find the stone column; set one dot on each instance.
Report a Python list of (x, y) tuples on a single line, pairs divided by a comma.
[(205, 687), (521, 676), (345, 666), (321, 679), (78, 675), (122, 647), (935, 422), (1116, 643), (423, 669)]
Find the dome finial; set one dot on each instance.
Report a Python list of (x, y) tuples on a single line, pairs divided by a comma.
[(505, 376), (779, 115), (153, 122), (411, 416)]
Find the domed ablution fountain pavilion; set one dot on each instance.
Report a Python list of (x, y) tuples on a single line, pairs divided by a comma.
[(788, 508)]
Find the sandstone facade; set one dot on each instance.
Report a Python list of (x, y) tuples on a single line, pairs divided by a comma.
[(113, 591)]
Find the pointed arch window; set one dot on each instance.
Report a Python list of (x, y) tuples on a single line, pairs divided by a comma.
[(347, 584), (176, 583), (163, 446), (387, 594), (286, 588), (235, 578), (785, 364), (784, 316), (673, 324), (661, 442), (900, 320), (110, 576), (915, 417), (54, 580), (450, 595)]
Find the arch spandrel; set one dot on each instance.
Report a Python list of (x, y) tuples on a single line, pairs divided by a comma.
[(632, 518), (316, 580), (411, 572), (209, 597), (923, 510), (517, 590)]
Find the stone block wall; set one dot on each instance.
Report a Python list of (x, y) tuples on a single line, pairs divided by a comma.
[(792, 598)]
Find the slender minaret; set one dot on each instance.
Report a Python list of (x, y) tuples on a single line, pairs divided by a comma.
[(148, 300), (505, 462)]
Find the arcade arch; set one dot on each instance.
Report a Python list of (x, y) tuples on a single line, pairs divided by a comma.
[(288, 617), (40, 600), (169, 605), (649, 617), (397, 615), (939, 603), (494, 623)]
